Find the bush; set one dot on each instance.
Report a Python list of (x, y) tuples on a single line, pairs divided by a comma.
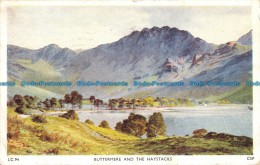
[(53, 137), (199, 132), (71, 115), (104, 124), (13, 130), (21, 110), (89, 122), (39, 119)]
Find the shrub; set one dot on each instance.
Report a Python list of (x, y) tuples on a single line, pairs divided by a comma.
[(71, 115), (89, 122), (104, 124), (39, 118), (54, 151), (199, 132), (13, 130), (20, 110), (53, 137)]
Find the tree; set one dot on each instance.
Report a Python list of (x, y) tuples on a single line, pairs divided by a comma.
[(89, 122), (21, 109), (35, 101), (171, 102), (156, 125), (119, 126), (29, 100), (135, 125), (11, 103), (133, 101), (80, 104), (67, 99), (163, 101), (149, 101), (18, 100), (75, 98), (61, 101), (53, 102), (91, 99), (112, 103), (199, 132), (47, 104), (121, 103), (71, 115), (98, 102), (104, 124)]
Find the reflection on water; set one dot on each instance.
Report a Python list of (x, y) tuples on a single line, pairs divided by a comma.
[(179, 122)]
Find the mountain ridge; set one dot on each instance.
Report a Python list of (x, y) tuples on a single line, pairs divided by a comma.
[(139, 56)]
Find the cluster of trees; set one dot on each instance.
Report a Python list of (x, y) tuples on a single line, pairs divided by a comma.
[(148, 101), (74, 99), (137, 125), (96, 102), (224, 102), (23, 102)]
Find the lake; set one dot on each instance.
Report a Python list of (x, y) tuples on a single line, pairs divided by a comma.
[(235, 120)]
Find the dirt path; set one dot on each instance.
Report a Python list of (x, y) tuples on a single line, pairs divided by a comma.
[(94, 134)]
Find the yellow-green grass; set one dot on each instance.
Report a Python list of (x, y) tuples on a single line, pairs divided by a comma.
[(112, 134), (68, 137)]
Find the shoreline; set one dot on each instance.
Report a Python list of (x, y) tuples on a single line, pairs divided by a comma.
[(194, 108)]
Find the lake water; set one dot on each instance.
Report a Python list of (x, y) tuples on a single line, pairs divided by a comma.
[(236, 120)]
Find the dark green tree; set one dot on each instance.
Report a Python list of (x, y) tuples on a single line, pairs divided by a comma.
[(92, 99), (11, 103), (71, 115), (47, 104), (61, 101), (133, 101), (156, 125), (98, 103), (134, 125), (112, 103), (104, 124), (18, 100), (53, 103), (75, 98), (89, 122), (67, 99), (119, 126)]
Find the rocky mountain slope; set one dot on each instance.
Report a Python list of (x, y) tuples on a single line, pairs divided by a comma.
[(156, 54)]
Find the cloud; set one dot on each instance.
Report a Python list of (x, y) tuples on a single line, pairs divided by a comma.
[(89, 26)]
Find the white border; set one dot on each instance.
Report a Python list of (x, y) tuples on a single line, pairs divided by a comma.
[(89, 159)]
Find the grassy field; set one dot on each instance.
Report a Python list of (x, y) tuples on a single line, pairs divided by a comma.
[(60, 136)]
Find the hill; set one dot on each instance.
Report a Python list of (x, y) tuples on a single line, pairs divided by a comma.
[(60, 136), (156, 54)]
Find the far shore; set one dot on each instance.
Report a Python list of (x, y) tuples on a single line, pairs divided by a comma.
[(161, 108)]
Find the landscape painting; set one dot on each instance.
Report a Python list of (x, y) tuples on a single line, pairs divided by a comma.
[(129, 80)]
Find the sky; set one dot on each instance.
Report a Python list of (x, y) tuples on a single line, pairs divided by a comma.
[(85, 27)]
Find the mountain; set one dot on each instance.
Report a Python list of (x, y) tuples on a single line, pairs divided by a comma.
[(246, 39), (156, 54)]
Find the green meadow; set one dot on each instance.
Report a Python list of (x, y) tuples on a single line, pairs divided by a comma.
[(60, 136)]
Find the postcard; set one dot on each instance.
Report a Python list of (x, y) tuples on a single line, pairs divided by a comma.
[(130, 82)]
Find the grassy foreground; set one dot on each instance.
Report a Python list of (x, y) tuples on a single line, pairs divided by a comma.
[(60, 136)]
